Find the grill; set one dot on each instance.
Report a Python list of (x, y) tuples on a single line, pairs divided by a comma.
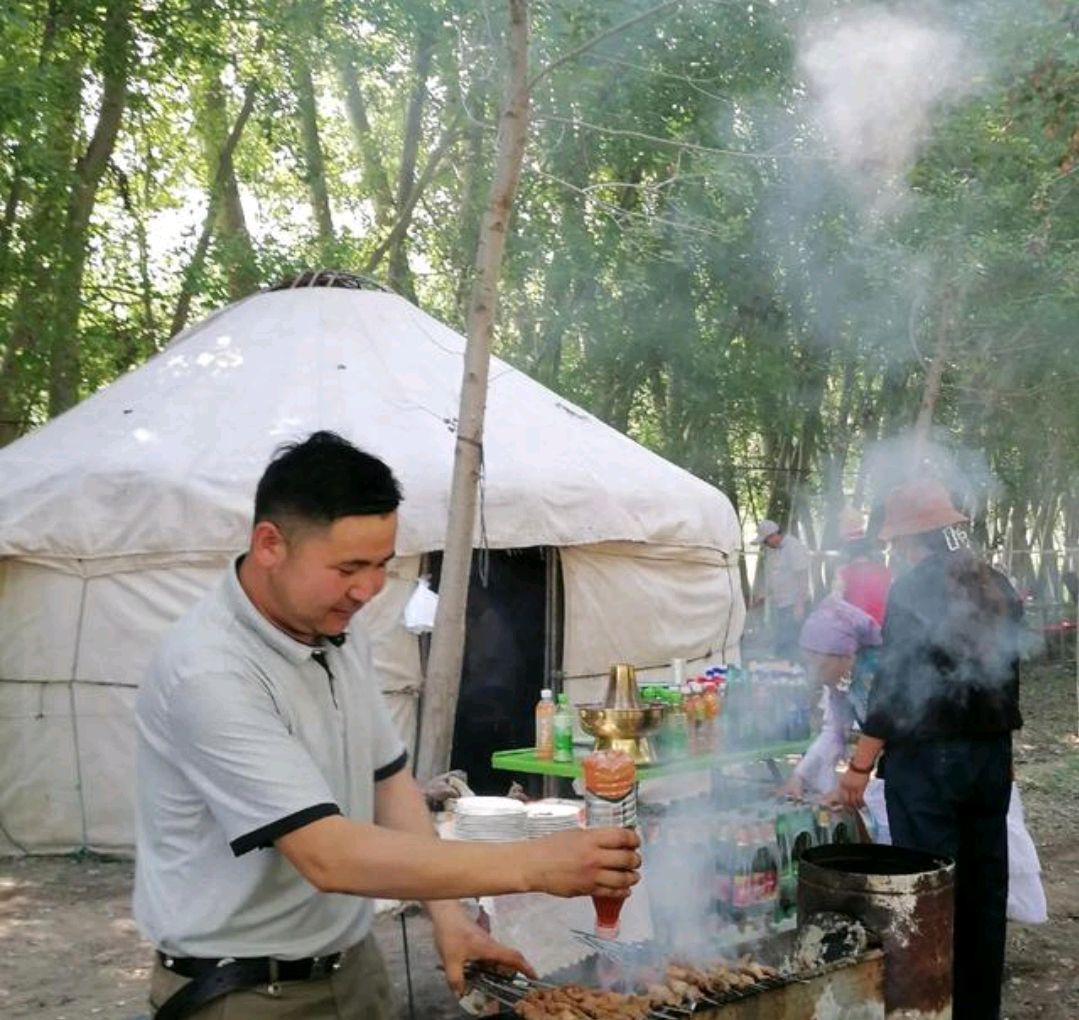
[(510, 991), (849, 988)]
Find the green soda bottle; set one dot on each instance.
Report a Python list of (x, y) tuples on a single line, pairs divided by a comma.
[(563, 730)]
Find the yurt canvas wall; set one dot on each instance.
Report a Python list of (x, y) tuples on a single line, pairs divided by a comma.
[(115, 516)]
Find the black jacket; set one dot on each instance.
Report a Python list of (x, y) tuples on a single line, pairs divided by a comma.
[(949, 666)]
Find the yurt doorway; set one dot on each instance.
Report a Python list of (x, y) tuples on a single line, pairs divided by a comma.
[(512, 645)]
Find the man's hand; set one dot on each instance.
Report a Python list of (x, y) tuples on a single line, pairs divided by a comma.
[(459, 941), (584, 862), (852, 789)]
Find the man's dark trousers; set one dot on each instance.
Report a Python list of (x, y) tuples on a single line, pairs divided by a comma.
[(950, 797)]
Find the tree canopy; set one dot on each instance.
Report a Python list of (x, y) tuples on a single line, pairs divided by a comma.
[(695, 255)]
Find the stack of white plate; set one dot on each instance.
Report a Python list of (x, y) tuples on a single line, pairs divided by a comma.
[(489, 819), (554, 815)]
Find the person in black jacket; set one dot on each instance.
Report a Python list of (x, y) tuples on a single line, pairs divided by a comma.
[(942, 709)]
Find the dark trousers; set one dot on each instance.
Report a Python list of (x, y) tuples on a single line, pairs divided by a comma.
[(951, 797), (785, 631)]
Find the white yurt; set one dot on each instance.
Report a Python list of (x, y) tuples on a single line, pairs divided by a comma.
[(117, 515)]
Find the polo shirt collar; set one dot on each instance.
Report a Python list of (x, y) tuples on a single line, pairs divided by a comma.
[(249, 616)]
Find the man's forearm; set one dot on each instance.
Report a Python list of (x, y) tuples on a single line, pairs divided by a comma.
[(401, 805), (339, 855), (865, 753)]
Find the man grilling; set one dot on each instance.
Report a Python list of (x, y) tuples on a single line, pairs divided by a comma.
[(274, 800)]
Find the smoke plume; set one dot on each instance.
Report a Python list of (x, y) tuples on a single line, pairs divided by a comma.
[(875, 79)]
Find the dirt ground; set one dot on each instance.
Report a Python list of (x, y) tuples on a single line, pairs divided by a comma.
[(70, 951)]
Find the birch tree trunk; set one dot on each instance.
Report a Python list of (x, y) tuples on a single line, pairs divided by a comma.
[(443, 679)]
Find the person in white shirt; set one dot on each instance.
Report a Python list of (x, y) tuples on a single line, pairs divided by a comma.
[(274, 802), (786, 585)]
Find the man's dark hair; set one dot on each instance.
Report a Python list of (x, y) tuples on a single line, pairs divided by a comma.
[(321, 479)]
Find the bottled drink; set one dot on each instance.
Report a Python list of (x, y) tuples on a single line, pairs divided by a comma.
[(545, 725), (675, 727), (765, 867), (689, 706), (844, 827), (823, 825), (710, 716), (726, 863), (610, 798), (742, 872), (563, 730)]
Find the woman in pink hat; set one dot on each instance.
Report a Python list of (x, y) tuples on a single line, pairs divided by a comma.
[(832, 636), (943, 708)]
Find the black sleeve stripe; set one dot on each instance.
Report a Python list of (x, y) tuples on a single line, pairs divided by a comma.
[(262, 838), (392, 768)]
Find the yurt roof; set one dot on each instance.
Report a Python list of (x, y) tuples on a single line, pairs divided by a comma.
[(165, 459)]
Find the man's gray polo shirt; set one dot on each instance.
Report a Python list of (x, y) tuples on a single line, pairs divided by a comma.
[(243, 736)]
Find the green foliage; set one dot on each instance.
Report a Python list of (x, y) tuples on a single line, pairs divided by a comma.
[(686, 262)]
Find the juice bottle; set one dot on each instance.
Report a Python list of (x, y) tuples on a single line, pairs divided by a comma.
[(690, 699), (563, 730), (545, 725), (710, 712), (610, 798)]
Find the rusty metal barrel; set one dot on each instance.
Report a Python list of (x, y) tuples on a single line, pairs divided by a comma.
[(908, 898)]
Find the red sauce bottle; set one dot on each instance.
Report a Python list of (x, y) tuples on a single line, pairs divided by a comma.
[(610, 780)]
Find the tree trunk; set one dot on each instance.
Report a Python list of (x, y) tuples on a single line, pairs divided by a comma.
[(400, 276), (947, 330), (64, 365), (835, 462), (198, 257), (23, 369), (128, 355), (237, 253), (375, 180), (11, 211), (404, 218), (472, 176), (314, 162), (53, 22), (934, 376), (447, 645)]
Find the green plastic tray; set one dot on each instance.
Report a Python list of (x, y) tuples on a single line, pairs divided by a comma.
[(524, 759)]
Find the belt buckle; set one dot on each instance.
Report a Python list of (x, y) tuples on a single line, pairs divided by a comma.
[(323, 966)]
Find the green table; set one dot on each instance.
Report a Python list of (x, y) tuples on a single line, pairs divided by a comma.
[(524, 760)]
